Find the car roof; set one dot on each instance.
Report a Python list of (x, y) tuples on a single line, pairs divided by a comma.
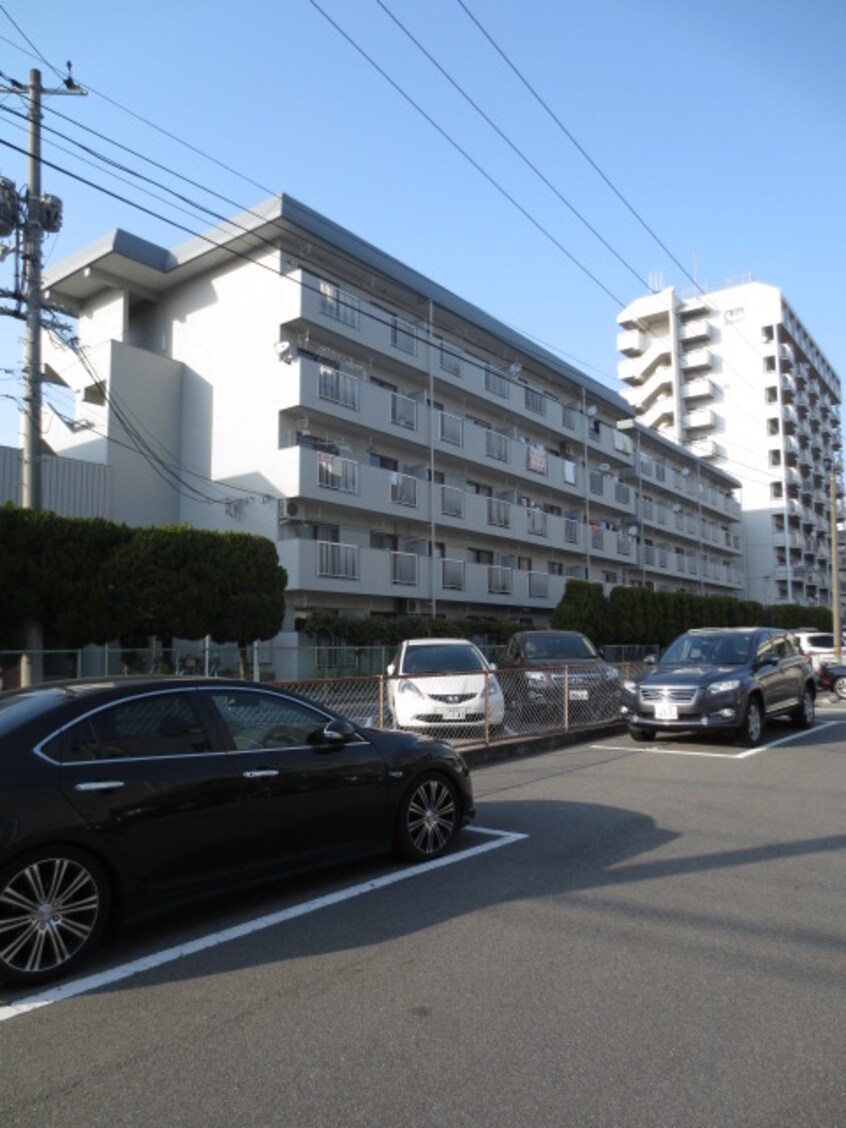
[(438, 642)]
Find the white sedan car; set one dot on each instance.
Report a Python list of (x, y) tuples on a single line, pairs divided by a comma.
[(443, 681)]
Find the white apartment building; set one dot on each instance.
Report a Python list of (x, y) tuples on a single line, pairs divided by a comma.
[(736, 378), (405, 451)]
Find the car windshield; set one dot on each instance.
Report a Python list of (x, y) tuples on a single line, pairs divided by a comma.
[(437, 659), (562, 646), (710, 650)]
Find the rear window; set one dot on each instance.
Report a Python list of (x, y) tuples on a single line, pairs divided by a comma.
[(435, 659), (560, 646), (25, 705)]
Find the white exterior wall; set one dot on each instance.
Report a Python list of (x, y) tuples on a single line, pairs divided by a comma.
[(728, 391), (198, 374)]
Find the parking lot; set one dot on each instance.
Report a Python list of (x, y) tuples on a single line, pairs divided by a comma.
[(632, 934)]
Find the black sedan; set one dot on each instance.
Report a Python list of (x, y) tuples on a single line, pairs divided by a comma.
[(123, 797)]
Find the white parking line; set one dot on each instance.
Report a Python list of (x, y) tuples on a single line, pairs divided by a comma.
[(180, 951), (657, 751)]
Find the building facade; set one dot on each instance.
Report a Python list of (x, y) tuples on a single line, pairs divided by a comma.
[(736, 378), (406, 452)]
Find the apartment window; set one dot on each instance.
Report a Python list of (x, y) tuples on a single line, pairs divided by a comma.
[(339, 304), (383, 462), (555, 568), (383, 542), (480, 556), (479, 488), (380, 383), (404, 335)]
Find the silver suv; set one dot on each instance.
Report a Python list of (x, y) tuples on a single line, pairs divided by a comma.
[(817, 646), (723, 680)]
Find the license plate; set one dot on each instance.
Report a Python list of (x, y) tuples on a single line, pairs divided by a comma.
[(578, 695), (665, 712), (455, 714)]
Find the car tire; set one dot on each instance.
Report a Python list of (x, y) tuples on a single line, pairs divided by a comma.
[(429, 818), (640, 734), (839, 688), (803, 716), (750, 732), (54, 904)]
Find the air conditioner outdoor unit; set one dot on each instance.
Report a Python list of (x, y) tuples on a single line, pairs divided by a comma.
[(289, 510)]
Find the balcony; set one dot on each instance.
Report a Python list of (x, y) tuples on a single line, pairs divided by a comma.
[(695, 360), (631, 342), (698, 329), (700, 388), (703, 419)]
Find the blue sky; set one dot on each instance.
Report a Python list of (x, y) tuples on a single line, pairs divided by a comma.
[(723, 126)]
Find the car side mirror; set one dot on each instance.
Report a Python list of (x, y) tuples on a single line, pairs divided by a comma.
[(337, 732), (650, 660), (491, 665), (391, 670)]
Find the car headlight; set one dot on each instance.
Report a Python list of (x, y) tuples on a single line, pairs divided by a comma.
[(724, 686), (629, 685), (539, 676), (494, 689), (409, 687), (610, 673)]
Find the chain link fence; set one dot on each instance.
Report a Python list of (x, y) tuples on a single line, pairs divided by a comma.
[(482, 707)]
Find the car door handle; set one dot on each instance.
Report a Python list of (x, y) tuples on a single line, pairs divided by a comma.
[(261, 773), (100, 785)]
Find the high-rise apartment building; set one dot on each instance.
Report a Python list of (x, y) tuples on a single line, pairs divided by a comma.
[(405, 451), (735, 378)]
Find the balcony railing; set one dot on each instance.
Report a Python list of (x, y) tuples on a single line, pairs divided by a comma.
[(340, 561), (403, 490), (452, 501), (499, 579), (404, 568), (338, 387), (452, 575), (335, 473), (403, 411)]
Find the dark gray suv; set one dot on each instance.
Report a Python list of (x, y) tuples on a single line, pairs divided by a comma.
[(722, 679)]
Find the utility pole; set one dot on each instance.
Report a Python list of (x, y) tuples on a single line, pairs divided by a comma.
[(41, 214), (835, 565)]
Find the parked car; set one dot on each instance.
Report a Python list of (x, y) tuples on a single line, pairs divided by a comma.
[(722, 680), (817, 646), (435, 682), (538, 665), (831, 676), (124, 797)]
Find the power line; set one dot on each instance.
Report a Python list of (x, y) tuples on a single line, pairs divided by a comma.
[(457, 86), (490, 179), (576, 143)]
